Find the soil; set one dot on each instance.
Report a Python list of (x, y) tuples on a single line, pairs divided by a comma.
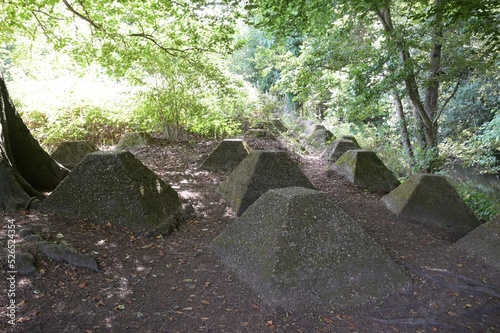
[(174, 283)]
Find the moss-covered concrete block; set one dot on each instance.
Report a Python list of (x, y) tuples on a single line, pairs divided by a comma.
[(365, 170), (134, 140), (317, 137), (116, 187), (228, 154), (338, 148), (259, 172), (70, 153), (299, 250), (483, 242), (432, 200)]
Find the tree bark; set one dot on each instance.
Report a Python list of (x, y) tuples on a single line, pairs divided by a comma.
[(405, 138), (426, 108), (26, 169)]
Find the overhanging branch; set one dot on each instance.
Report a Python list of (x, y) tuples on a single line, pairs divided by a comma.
[(83, 17)]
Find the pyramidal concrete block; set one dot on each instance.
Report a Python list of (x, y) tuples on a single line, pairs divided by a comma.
[(297, 249), (116, 187), (338, 148), (483, 242), (70, 153), (259, 172), (228, 154), (364, 169), (432, 200), (134, 140)]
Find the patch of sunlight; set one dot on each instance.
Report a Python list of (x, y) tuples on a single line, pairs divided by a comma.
[(184, 181), (141, 188), (101, 242), (24, 282), (158, 186), (189, 194), (124, 288)]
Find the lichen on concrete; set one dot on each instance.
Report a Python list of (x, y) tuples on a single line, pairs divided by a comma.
[(333, 152), (134, 140), (299, 250), (228, 154), (116, 187), (365, 170), (432, 200), (70, 153), (259, 172)]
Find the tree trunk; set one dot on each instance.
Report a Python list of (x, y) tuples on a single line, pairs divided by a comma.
[(405, 138), (425, 109), (26, 169)]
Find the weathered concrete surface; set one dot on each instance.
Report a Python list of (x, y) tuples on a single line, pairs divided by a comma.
[(432, 200), (364, 169), (338, 148), (299, 250), (259, 172), (70, 153), (116, 187), (134, 140), (317, 137), (228, 154), (483, 242)]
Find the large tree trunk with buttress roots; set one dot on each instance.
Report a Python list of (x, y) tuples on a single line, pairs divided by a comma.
[(26, 170)]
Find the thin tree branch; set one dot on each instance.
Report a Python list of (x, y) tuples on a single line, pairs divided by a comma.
[(47, 14), (449, 98), (83, 17)]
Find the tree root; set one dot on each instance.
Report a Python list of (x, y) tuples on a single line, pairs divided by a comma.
[(463, 282), (415, 322)]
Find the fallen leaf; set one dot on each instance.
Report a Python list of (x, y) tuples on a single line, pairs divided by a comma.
[(255, 306), (204, 301), (83, 285), (22, 302), (120, 307), (452, 314), (204, 318)]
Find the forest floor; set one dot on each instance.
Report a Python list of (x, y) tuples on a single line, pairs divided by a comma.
[(176, 284)]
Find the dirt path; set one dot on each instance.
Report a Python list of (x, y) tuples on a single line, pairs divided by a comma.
[(175, 284)]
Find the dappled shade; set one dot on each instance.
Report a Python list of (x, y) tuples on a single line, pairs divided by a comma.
[(432, 200), (299, 250), (365, 170), (116, 187), (256, 174)]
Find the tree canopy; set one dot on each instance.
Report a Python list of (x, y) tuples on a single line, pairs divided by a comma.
[(406, 66)]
